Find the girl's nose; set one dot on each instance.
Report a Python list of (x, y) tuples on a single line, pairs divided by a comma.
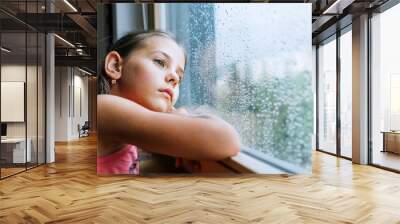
[(172, 78)]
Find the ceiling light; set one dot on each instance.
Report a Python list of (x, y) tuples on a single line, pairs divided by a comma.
[(337, 7), (5, 50), (84, 71), (64, 40), (71, 6)]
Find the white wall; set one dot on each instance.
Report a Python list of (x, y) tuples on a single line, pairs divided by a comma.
[(80, 105), (17, 73), (62, 78), (33, 127), (70, 84), (14, 73)]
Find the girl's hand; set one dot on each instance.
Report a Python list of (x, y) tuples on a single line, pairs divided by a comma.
[(180, 111)]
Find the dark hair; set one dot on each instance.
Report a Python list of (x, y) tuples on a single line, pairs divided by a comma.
[(124, 46)]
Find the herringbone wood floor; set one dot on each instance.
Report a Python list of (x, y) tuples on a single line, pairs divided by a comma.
[(69, 191)]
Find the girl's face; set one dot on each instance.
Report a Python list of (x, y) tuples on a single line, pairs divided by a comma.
[(151, 74)]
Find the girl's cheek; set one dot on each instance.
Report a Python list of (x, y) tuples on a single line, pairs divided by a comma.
[(143, 76)]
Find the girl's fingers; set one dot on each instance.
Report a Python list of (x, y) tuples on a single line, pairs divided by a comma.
[(182, 111)]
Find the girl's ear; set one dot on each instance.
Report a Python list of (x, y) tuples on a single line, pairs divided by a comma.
[(113, 65)]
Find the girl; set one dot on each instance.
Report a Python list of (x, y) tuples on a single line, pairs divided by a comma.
[(138, 88)]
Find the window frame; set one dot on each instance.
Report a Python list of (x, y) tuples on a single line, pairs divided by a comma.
[(334, 37)]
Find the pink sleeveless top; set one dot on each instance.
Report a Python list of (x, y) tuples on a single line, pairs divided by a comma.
[(125, 161)]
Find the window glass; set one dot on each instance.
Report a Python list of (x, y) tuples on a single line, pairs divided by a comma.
[(346, 94), (327, 96), (385, 87), (15, 149), (251, 64)]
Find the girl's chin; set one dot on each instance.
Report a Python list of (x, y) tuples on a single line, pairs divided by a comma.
[(162, 107)]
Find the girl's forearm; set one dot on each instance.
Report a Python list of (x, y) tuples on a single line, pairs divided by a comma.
[(191, 137), (200, 137)]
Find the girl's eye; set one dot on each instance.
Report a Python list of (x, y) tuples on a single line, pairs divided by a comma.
[(160, 62)]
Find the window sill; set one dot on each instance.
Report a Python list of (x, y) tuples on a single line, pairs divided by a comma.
[(251, 161)]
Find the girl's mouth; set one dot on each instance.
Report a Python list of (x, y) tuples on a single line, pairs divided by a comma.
[(168, 92)]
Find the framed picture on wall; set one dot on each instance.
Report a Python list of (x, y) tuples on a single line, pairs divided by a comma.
[(12, 101)]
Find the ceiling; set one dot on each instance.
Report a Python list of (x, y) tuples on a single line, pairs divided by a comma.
[(76, 22), (72, 20), (332, 15)]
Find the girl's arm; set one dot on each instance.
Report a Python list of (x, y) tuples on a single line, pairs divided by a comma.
[(199, 138)]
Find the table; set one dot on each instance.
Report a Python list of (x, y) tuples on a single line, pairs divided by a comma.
[(13, 150), (391, 141)]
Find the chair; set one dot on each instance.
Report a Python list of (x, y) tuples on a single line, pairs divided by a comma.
[(84, 130)]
